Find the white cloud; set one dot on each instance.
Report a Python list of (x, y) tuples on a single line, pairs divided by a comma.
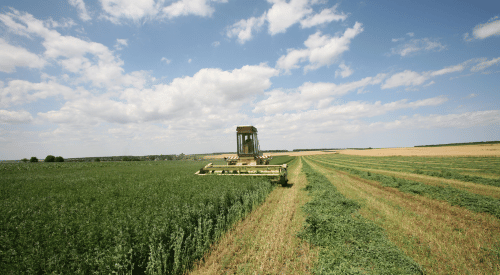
[(12, 57), (72, 53), (447, 70), (325, 16), (120, 43), (485, 64), (492, 28), (166, 60), (397, 39), (15, 117), (411, 34), (411, 78), (145, 10), (82, 11), (190, 60), (463, 120), (21, 92), (335, 121), (321, 50), (216, 44), (190, 7), (282, 15), (317, 95), (343, 71), (406, 78), (243, 29), (415, 45), (209, 94), (430, 83)]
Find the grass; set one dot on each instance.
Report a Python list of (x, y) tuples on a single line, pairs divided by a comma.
[(350, 243), (146, 217)]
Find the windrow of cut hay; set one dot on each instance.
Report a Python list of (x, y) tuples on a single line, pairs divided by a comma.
[(121, 217), (350, 244)]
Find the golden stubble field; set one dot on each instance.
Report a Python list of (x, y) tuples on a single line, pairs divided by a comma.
[(445, 151)]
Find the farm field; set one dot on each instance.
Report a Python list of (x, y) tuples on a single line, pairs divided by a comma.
[(443, 212), (338, 214), (115, 217)]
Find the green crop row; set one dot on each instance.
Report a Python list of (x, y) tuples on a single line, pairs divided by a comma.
[(454, 175), (350, 243), (278, 160), (473, 202), (122, 217)]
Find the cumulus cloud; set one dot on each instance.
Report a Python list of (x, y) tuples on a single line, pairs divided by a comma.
[(72, 53), (310, 95), (491, 28), (15, 117), (210, 93), (243, 29), (282, 15), (12, 57), (21, 92), (82, 10), (416, 45), (342, 119), (118, 10), (325, 16), (120, 43), (321, 50), (411, 78), (343, 71)]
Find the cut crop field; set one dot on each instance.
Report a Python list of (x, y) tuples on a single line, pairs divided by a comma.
[(443, 212), (115, 217)]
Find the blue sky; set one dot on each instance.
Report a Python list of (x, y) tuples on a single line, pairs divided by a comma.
[(125, 77)]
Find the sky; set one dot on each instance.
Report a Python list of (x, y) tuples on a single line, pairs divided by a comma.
[(83, 78)]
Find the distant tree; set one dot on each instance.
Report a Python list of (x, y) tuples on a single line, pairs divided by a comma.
[(126, 159), (24, 160), (50, 158), (97, 160), (33, 159), (59, 159)]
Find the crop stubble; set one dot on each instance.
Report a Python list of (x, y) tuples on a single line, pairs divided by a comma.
[(266, 242), (442, 238)]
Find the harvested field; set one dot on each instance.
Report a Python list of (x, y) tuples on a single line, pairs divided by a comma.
[(266, 241), (434, 230), (465, 150)]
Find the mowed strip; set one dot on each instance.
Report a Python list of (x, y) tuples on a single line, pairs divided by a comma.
[(484, 190), (444, 239), (266, 241)]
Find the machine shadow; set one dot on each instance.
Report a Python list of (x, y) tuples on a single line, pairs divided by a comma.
[(287, 185)]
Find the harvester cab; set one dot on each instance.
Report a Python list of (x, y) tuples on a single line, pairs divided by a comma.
[(249, 160)]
